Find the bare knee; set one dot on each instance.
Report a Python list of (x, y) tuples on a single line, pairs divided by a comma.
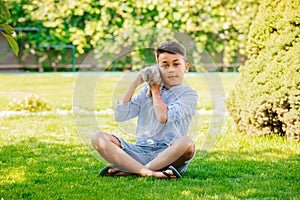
[(190, 147), (101, 138), (190, 152), (97, 139), (187, 147)]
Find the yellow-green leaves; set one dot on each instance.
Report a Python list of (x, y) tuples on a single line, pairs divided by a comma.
[(4, 13), (217, 26), (9, 30), (12, 42), (266, 99)]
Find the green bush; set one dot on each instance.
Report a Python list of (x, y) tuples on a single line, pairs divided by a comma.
[(216, 26), (31, 103), (266, 99)]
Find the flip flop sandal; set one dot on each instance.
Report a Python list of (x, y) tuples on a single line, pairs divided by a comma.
[(104, 171), (174, 170)]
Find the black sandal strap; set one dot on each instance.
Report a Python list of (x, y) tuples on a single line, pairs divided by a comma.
[(166, 174)]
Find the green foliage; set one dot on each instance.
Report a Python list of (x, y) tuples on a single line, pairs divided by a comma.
[(110, 26), (266, 99), (31, 103), (4, 15)]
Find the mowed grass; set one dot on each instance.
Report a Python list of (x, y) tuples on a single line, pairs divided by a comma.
[(46, 157)]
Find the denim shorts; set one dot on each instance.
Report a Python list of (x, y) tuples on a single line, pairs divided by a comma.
[(144, 154)]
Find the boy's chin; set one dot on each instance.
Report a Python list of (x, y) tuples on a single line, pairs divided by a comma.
[(168, 86)]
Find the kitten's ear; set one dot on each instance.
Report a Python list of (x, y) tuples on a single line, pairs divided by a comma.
[(156, 56)]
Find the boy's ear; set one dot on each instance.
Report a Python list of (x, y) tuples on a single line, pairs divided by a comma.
[(187, 66)]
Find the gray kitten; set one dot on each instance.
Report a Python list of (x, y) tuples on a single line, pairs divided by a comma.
[(151, 75)]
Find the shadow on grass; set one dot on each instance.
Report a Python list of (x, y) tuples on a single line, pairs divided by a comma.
[(256, 174), (37, 170)]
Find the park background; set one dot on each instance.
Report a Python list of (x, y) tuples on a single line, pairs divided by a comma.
[(48, 30), (256, 153)]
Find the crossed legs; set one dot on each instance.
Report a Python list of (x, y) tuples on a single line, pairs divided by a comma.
[(181, 150)]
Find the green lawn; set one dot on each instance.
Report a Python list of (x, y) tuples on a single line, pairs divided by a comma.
[(44, 157)]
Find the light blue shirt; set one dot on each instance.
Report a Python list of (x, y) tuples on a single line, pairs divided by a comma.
[(181, 101)]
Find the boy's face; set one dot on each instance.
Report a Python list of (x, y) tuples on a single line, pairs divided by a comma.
[(172, 67)]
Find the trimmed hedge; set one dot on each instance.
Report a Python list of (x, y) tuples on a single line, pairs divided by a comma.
[(266, 99)]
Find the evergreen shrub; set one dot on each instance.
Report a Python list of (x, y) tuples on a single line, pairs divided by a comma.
[(266, 98)]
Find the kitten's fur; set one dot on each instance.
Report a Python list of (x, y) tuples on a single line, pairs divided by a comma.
[(151, 75)]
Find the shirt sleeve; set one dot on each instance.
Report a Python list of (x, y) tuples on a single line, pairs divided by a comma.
[(131, 109), (184, 106)]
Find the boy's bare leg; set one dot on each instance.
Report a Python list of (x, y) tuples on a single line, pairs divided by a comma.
[(109, 148), (115, 155), (180, 151)]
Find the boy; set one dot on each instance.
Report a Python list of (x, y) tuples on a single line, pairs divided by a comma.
[(162, 148)]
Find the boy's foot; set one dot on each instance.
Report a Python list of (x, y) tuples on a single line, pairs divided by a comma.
[(169, 173), (111, 171)]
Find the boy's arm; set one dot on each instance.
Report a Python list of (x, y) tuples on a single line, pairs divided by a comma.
[(160, 108), (130, 91), (125, 110)]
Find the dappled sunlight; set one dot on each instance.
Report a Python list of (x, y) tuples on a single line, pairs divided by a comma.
[(12, 175), (187, 193)]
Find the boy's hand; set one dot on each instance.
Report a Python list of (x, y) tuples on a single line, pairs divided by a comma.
[(155, 87)]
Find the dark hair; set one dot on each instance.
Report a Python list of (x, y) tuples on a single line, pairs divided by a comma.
[(171, 47)]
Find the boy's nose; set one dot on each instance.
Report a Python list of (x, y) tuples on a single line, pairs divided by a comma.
[(171, 69)]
